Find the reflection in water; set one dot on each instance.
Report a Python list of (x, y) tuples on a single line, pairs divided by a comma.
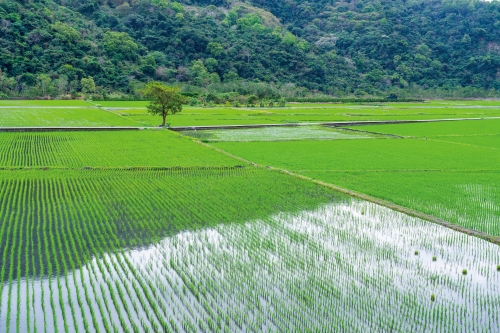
[(342, 267), (277, 134)]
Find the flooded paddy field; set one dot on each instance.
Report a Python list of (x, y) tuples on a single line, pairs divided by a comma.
[(149, 231), (310, 259), (449, 170), (278, 134)]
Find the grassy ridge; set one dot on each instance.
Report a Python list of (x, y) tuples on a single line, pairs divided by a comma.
[(470, 199), (487, 141)]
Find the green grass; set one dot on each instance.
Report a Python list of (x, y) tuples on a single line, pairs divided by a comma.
[(60, 117), (146, 148), (452, 177)]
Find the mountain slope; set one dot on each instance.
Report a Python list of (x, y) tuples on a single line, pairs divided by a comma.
[(360, 47)]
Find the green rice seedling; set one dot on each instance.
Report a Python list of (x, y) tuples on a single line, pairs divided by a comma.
[(61, 117), (456, 179), (263, 263), (464, 271), (434, 258)]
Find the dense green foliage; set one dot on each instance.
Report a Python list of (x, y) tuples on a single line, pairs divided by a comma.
[(165, 100), (263, 47)]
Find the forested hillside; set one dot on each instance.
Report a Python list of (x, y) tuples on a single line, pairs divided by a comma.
[(264, 47)]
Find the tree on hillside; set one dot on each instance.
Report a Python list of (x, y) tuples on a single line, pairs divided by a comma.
[(44, 82), (88, 85), (166, 100), (120, 45)]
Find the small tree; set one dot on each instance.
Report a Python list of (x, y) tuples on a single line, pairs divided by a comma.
[(88, 85), (166, 100), (215, 48), (44, 82), (252, 100)]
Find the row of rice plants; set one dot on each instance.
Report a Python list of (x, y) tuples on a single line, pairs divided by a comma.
[(105, 149), (355, 267), (57, 224), (230, 259)]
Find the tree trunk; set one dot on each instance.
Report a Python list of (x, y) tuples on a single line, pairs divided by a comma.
[(164, 115)]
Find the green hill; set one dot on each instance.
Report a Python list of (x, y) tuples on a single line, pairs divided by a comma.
[(276, 47)]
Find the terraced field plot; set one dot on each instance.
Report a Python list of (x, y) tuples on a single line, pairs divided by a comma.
[(452, 177)]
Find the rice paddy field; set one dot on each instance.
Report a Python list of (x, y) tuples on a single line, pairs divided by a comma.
[(60, 117), (146, 148), (447, 169), (134, 113), (308, 113), (156, 231), (277, 134)]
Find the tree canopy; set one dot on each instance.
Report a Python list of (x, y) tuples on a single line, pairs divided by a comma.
[(165, 100), (366, 47)]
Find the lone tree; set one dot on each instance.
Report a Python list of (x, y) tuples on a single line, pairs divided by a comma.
[(166, 100)]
